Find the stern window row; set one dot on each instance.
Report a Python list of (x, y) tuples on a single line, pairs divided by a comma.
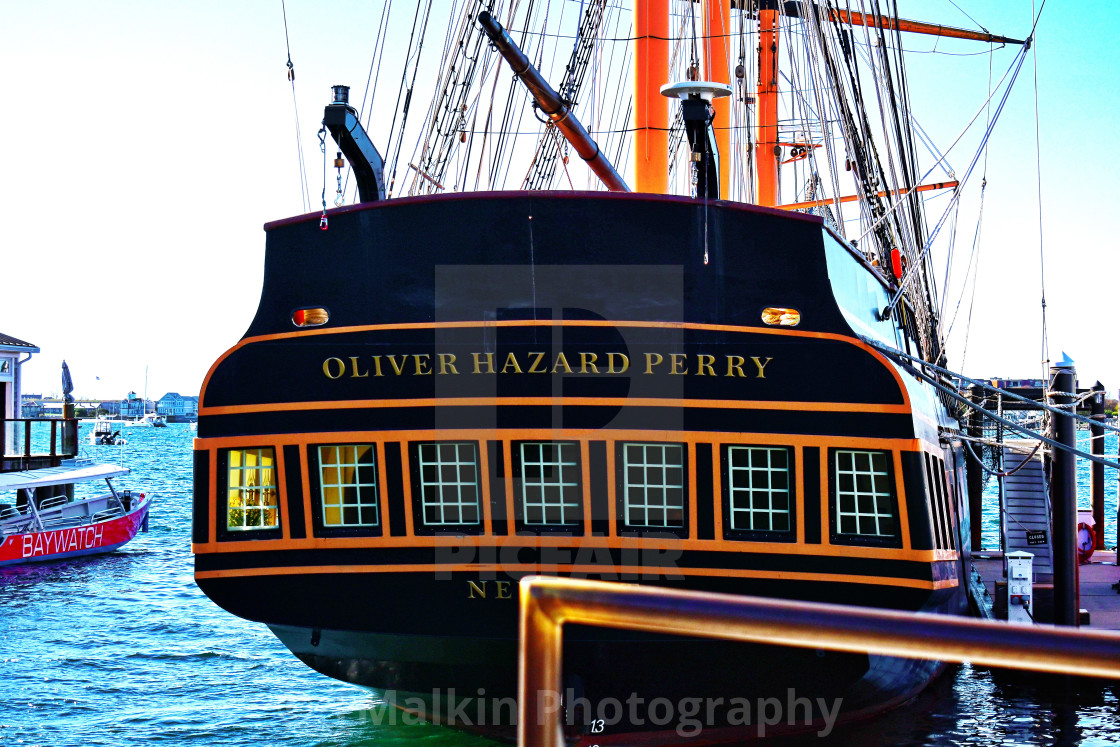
[(652, 488)]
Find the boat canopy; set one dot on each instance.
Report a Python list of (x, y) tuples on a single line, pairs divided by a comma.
[(39, 478)]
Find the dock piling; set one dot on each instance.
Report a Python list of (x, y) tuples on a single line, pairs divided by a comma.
[(1096, 432), (1063, 495), (975, 474)]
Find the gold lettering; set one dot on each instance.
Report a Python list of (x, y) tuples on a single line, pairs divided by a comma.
[(561, 359), (650, 362), (537, 360), (327, 367), (398, 370), (588, 359), (504, 589), (354, 369), (511, 360), (701, 364), (610, 363), (674, 364), (761, 374), (420, 368), (489, 363), (472, 587), (735, 365), (377, 365), (447, 361)]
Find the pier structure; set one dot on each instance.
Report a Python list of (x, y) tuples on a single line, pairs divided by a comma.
[(1038, 501), (1096, 593)]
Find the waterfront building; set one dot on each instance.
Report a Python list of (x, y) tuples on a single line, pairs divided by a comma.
[(178, 408), (31, 405), (12, 351), (133, 406)]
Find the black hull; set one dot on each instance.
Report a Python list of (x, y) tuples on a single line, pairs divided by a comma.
[(468, 681), (625, 688)]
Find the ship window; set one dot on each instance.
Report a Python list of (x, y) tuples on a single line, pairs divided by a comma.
[(550, 486), (781, 317), (934, 503), (943, 508), (448, 481), (949, 485), (758, 494), (653, 486), (348, 485), (864, 501), (251, 497), (311, 316)]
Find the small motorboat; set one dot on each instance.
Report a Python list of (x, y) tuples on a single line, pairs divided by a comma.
[(106, 433)]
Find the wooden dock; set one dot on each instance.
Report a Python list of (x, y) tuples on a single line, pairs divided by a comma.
[(1098, 597)]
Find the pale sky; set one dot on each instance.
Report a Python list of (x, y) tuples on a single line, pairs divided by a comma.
[(144, 145)]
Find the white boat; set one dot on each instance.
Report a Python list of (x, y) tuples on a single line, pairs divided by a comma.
[(150, 420), (106, 433), (42, 518)]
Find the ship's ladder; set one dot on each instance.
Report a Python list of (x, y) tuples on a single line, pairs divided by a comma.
[(1024, 498)]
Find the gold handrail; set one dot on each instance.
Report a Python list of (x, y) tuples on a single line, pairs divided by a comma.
[(548, 602)]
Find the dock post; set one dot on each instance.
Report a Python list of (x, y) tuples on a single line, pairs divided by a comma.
[(1063, 496), (1096, 431), (975, 473)]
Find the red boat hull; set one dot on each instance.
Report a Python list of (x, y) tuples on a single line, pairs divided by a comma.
[(70, 542)]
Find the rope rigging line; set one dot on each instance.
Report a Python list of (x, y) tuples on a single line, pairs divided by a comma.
[(323, 149), (1018, 428), (905, 359), (305, 199), (502, 163), (448, 109), (997, 473), (1038, 177), (963, 180), (544, 173), (370, 93), (964, 131), (408, 95), (966, 15), (974, 254), (841, 71)]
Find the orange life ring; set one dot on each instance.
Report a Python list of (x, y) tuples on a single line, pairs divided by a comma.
[(1085, 543)]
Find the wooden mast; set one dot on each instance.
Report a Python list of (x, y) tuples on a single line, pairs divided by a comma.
[(717, 25), (919, 27), (651, 109), (767, 150)]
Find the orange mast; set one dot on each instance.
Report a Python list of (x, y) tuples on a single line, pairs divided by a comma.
[(717, 24), (767, 150), (651, 109)]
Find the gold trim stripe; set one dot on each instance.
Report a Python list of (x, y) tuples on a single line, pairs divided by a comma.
[(735, 404), (527, 568)]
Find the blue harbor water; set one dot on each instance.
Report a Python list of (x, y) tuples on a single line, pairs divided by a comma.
[(123, 649)]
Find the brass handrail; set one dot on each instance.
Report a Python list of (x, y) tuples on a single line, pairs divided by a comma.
[(549, 602)]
